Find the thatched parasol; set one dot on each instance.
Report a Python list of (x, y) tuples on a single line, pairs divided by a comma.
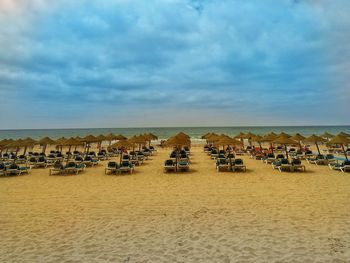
[(228, 141), (20, 144), (344, 134), (327, 135), (340, 140), (284, 140), (315, 139), (298, 137), (44, 142), (270, 137)]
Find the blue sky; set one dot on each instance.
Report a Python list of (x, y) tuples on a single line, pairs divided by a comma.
[(173, 63)]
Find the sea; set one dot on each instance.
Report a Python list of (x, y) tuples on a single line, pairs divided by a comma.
[(165, 132)]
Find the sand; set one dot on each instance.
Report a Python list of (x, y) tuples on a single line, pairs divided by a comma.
[(200, 216)]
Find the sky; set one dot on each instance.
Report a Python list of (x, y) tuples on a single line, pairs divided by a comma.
[(158, 63)]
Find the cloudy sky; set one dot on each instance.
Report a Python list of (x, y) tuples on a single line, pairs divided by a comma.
[(135, 63)]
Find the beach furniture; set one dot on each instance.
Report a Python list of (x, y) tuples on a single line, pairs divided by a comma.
[(57, 168), (343, 167), (239, 165), (21, 159), (214, 154), (112, 168), (318, 160), (270, 158), (183, 166), (169, 165), (32, 161), (89, 161), (78, 159), (41, 162), (126, 166), (73, 167), (222, 164), (14, 169), (2, 169), (296, 165)]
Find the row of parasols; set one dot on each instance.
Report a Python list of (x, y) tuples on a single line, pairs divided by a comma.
[(280, 139), (86, 142)]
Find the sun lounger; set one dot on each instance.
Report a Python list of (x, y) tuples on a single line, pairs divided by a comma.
[(183, 166), (73, 167), (296, 165), (112, 168), (222, 164), (57, 168), (343, 167), (126, 166), (14, 169), (270, 158), (239, 165), (169, 165), (318, 160)]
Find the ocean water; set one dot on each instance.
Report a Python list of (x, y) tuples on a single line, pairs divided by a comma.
[(166, 132)]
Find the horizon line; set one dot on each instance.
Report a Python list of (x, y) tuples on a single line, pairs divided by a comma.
[(164, 127)]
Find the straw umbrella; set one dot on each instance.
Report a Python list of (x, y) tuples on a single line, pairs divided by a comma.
[(59, 142), (88, 140), (283, 134), (228, 141), (150, 137), (344, 134), (298, 137), (110, 137), (139, 140), (270, 137), (315, 139), (240, 136), (20, 144), (100, 139), (120, 137), (122, 144), (178, 141), (44, 142), (341, 140), (284, 140), (327, 135), (259, 139), (71, 142)]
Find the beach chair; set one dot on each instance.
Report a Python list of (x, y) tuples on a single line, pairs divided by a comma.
[(280, 157), (73, 167), (2, 169), (101, 155), (112, 168), (21, 159), (318, 160), (276, 164), (183, 166), (41, 162), (214, 154), (270, 158), (239, 165), (32, 161), (285, 165), (78, 159), (296, 165), (57, 168), (126, 166), (330, 158), (222, 164), (89, 161), (169, 165), (343, 167), (13, 169)]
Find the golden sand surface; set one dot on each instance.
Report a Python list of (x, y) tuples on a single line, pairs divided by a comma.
[(200, 216)]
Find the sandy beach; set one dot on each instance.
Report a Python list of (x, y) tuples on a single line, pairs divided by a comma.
[(199, 216)]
